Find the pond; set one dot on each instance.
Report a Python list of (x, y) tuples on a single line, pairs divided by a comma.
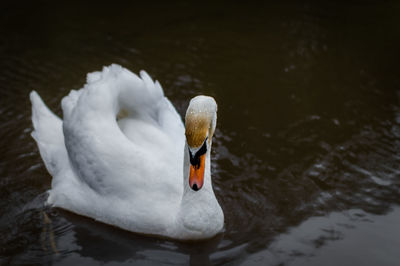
[(306, 155)]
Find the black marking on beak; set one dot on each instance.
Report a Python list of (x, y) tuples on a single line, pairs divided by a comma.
[(195, 160)]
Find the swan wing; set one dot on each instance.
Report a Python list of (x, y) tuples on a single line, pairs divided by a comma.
[(126, 172), (139, 159)]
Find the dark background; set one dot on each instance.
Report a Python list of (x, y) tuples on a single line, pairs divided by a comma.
[(306, 155)]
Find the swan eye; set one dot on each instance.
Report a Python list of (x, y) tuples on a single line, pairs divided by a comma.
[(195, 160)]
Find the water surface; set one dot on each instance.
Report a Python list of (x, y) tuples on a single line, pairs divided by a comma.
[(307, 149)]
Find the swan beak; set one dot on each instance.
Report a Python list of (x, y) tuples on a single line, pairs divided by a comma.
[(196, 176)]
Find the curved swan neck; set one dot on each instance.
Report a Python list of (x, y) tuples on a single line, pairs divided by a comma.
[(200, 215)]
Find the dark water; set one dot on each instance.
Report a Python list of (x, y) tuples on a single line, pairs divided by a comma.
[(307, 152)]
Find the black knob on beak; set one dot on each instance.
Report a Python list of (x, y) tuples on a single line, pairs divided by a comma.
[(195, 188)]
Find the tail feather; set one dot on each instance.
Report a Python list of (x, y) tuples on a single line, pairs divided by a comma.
[(48, 134)]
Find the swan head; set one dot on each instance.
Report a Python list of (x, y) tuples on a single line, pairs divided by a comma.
[(200, 122)]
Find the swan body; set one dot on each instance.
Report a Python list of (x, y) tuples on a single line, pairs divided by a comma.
[(144, 172)]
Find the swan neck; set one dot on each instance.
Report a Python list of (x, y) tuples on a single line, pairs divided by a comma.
[(200, 215), (207, 187)]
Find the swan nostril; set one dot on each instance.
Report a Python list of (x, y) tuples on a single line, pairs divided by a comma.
[(195, 188)]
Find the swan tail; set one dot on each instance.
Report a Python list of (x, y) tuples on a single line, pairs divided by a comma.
[(48, 134)]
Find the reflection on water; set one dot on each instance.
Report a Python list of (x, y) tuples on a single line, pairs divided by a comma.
[(306, 153), (331, 240)]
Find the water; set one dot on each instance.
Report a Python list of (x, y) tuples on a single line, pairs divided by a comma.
[(307, 148)]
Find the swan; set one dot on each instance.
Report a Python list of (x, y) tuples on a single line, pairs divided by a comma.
[(122, 156)]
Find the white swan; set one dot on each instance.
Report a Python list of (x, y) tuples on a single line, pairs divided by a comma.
[(139, 173)]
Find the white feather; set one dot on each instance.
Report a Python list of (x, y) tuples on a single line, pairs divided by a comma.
[(130, 173)]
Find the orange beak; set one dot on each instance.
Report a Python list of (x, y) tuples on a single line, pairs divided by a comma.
[(196, 176)]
